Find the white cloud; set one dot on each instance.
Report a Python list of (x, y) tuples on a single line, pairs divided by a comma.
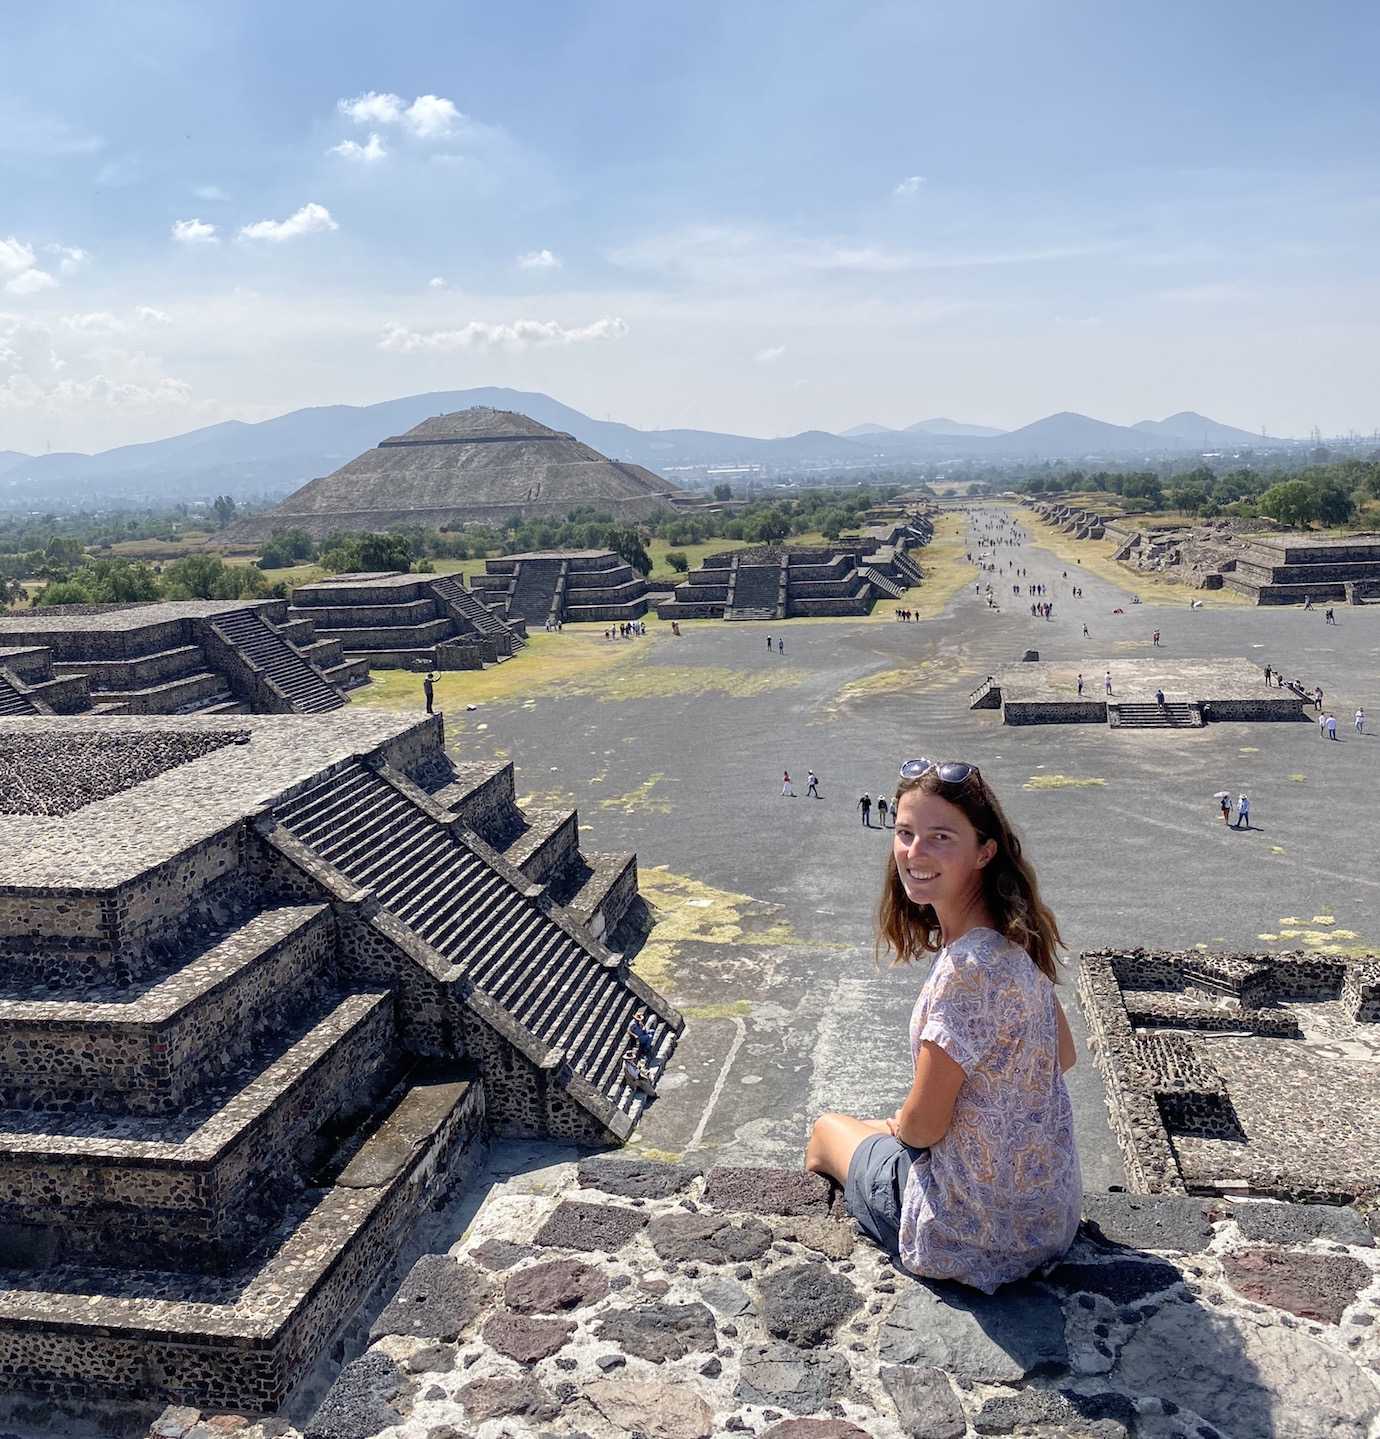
[(311, 219), (770, 355), (73, 257), (209, 192), (97, 322), (539, 260), (908, 187), (437, 282), (372, 108), (481, 335), (150, 316), (30, 282), (195, 232), (428, 117), (431, 116), (15, 256), (369, 153)]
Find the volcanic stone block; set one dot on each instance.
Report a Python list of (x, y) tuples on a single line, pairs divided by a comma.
[(590, 1228), (658, 1332), (1043, 1411), (813, 1429), (781, 1376), (555, 1287), (708, 1238), (995, 1338), (1297, 1223), (503, 1395), (925, 1402), (805, 1303), (439, 1299), (637, 1178), (768, 1191), (1313, 1286), (658, 1408), (525, 1338), (726, 1296), (1123, 1281), (1176, 1222), (356, 1406), (500, 1254)]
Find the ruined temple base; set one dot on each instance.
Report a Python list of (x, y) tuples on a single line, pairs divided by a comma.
[(1217, 689)]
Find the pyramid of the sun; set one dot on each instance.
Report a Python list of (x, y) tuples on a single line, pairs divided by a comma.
[(476, 465)]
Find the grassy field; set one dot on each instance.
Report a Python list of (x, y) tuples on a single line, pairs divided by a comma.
[(658, 550), (945, 569), (1096, 556)]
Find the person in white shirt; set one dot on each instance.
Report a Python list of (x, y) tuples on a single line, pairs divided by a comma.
[(1360, 721), (1332, 726), (1243, 813)]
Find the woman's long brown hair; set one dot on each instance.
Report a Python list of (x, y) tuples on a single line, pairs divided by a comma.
[(1009, 885)]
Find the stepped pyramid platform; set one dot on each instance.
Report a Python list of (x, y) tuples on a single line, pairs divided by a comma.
[(549, 586), (264, 980), (1289, 569), (778, 582), (1196, 692), (479, 465), (393, 620), (181, 657)]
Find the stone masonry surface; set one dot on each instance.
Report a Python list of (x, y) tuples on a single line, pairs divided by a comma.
[(1172, 1317)]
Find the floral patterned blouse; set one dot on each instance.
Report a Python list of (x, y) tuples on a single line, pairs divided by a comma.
[(1001, 1193)]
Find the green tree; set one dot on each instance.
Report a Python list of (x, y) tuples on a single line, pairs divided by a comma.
[(385, 552), (194, 577), (723, 492), (1294, 502), (63, 592), (627, 544), (678, 561), (1332, 504)]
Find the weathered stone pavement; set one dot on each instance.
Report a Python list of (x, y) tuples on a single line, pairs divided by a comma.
[(609, 1297)]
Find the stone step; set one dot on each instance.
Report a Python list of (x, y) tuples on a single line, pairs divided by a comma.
[(347, 674), (137, 672), (360, 638), (1171, 715), (192, 1187), (183, 695), (551, 837), (13, 701), (150, 1046), (240, 1340), (277, 662)]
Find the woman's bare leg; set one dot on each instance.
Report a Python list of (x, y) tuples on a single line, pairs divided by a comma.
[(833, 1139)]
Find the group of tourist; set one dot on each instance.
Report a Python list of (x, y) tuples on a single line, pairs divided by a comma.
[(1327, 724), (627, 630), (553, 627), (905, 616), (636, 1074)]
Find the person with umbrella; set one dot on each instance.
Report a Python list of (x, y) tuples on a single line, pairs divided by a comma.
[(1223, 798)]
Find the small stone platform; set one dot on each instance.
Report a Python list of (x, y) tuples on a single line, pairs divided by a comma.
[(611, 1300), (1240, 1073), (1218, 689)]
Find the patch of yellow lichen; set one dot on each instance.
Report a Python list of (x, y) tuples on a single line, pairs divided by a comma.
[(639, 800), (691, 912), (1061, 781)]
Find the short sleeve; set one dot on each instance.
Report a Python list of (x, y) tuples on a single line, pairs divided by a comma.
[(960, 1018)]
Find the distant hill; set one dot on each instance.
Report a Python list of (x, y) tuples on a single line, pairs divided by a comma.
[(942, 426), (1198, 430), (270, 459)]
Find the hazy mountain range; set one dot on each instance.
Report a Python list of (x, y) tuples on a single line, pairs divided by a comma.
[(273, 457)]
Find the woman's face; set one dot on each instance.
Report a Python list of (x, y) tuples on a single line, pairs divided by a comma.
[(938, 854)]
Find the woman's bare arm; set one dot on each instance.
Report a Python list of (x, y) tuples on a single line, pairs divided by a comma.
[(1068, 1051)]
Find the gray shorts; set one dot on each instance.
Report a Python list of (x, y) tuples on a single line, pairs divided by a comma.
[(876, 1182)]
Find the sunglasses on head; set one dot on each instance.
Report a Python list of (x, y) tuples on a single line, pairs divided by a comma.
[(953, 771)]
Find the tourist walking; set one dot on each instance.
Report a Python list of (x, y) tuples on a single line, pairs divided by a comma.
[(1318, 697), (975, 1177), (780, 645), (1224, 800), (768, 644), (786, 786), (865, 805), (1085, 632), (1243, 812), (1080, 685), (1268, 673), (1107, 682), (1360, 721), (1322, 726), (429, 691), (1332, 726), (811, 784), (1155, 639), (1328, 616), (881, 810)]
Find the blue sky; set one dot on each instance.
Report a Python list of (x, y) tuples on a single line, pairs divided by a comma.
[(760, 217)]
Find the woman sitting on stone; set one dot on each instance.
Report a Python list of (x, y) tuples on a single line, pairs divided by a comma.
[(976, 1175)]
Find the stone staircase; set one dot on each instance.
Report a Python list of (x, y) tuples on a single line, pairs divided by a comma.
[(485, 622), (882, 583), (1170, 715), (493, 929), (534, 590), (278, 663), (756, 593), (13, 701)]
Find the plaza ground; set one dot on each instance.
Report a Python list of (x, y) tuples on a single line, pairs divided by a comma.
[(675, 747)]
